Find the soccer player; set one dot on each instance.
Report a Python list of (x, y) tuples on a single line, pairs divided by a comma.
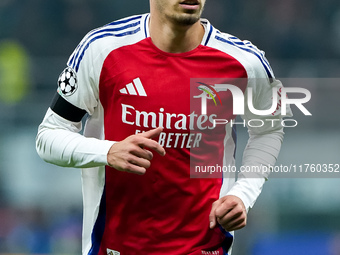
[(144, 84)]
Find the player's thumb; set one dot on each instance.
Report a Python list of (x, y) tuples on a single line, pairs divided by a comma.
[(152, 133), (212, 215)]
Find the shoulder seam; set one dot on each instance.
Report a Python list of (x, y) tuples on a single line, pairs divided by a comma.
[(247, 47), (120, 28)]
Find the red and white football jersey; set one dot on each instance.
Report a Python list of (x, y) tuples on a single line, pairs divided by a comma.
[(127, 86)]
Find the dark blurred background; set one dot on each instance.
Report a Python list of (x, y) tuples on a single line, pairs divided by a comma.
[(41, 205)]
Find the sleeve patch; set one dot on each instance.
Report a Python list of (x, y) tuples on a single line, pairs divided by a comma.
[(67, 82)]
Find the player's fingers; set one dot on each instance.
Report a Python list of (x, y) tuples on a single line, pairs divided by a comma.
[(233, 217), (128, 166), (229, 203), (212, 215), (152, 144), (234, 225), (142, 162), (152, 133), (142, 153), (231, 214), (223, 209), (135, 169), (149, 154)]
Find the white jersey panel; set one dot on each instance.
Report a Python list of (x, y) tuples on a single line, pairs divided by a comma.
[(88, 58)]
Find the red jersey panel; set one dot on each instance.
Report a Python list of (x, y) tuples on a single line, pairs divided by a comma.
[(128, 86), (164, 211)]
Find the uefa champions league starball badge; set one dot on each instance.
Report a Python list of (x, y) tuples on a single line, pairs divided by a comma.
[(67, 82)]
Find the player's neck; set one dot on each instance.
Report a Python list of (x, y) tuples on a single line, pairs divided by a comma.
[(172, 38)]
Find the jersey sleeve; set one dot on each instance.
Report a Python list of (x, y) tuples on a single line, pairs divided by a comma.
[(78, 83), (58, 140), (263, 119), (260, 153), (263, 105)]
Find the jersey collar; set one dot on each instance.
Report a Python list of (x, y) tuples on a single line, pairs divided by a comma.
[(208, 29)]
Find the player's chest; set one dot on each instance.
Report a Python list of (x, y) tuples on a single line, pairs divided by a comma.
[(138, 74), (140, 87)]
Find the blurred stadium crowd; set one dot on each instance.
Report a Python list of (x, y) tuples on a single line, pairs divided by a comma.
[(40, 210), (285, 29)]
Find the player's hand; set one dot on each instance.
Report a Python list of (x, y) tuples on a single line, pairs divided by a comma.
[(229, 212), (131, 155)]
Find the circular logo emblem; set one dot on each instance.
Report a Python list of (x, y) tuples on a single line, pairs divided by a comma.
[(67, 82)]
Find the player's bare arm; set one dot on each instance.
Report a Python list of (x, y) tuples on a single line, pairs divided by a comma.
[(130, 154), (230, 212)]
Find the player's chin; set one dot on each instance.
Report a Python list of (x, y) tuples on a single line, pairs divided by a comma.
[(187, 19)]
